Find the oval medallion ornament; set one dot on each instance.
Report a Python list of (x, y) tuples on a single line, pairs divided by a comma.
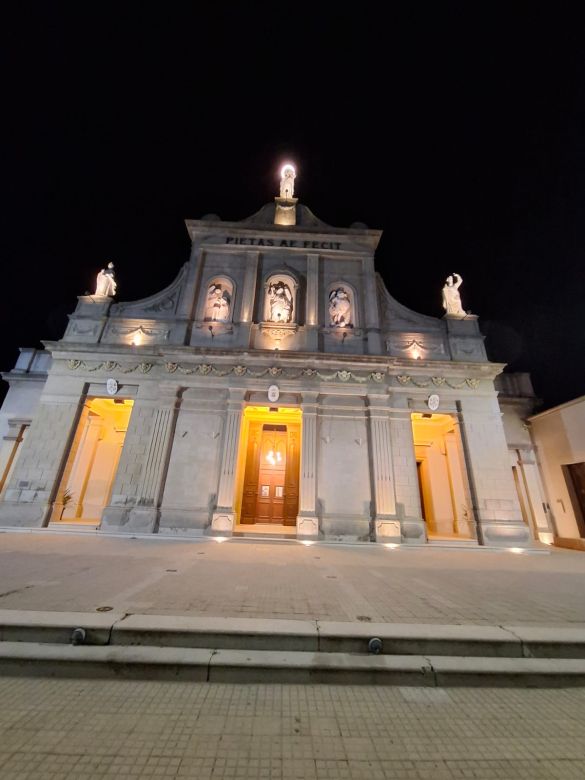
[(433, 402), (112, 386), (273, 393)]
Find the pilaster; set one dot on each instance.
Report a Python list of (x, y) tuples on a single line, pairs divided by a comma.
[(406, 487), (493, 493), (372, 315), (307, 521), (312, 319), (224, 514), (386, 523), (141, 474)]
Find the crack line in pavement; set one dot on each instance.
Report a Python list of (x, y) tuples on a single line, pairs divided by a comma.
[(213, 652), (524, 652), (115, 623), (318, 636), (16, 590), (432, 669)]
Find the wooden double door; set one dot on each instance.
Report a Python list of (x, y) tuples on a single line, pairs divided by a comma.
[(271, 479)]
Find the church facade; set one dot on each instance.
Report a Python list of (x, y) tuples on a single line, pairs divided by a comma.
[(275, 385)]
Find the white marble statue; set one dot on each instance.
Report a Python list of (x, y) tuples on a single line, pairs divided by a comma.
[(451, 297), (217, 305), (106, 284), (287, 182), (280, 301), (339, 308)]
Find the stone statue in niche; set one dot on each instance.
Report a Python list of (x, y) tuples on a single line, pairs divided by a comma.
[(451, 297), (280, 301), (340, 309), (287, 182), (106, 284), (217, 305)]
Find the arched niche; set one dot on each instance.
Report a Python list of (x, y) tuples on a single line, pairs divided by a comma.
[(218, 300), (341, 309), (281, 298)]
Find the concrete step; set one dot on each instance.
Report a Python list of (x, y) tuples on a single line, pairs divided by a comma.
[(258, 666), (315, 636)]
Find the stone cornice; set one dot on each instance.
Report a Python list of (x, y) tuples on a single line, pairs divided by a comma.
[(266, 357)]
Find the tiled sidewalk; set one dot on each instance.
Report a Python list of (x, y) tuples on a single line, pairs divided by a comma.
[(95, 729), (48, 571)]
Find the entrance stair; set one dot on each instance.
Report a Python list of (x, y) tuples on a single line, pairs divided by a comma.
[(287, 651)]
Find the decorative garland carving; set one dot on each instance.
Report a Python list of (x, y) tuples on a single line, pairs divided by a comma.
[(206, 369), (438, 381), (109, 365), (287, 373)]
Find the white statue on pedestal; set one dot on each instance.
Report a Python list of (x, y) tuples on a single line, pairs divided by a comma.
[(106, 284), (217, 306), (451, 297), (339, 308), (281, 302), (287, 182)]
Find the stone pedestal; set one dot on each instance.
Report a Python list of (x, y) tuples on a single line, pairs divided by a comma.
[(286, 211)]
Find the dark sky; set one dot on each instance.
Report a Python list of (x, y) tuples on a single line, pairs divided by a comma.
[(457, 128)]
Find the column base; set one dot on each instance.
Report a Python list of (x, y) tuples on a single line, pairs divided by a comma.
[(307, 527), (505, 534), (223, 523), (142, 520), (387, 530), (23, 515)]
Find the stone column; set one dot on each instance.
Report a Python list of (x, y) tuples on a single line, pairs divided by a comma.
[(491, 482), (142, 469), (372, 315), (224, 515), (307, 520), (386, 523), (406, 486)]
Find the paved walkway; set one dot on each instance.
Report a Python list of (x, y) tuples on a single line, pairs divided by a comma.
[(61, 729), (50, 571)]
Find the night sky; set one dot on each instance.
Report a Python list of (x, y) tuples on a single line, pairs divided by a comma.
[(457, 128)]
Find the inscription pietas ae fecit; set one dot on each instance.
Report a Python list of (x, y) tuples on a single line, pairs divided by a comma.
[(289, 242)]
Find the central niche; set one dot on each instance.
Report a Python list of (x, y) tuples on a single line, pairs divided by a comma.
[(280, 299)]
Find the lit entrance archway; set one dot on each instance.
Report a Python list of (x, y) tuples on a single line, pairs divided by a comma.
[(90, 470), (269, 457), (443, 485)]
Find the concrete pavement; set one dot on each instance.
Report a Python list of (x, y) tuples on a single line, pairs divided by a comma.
[(64, 729), (286, 580)]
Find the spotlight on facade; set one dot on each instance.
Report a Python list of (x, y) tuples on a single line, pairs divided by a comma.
[(219, 539), (391, 546), (517, 550), (307, 542)]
